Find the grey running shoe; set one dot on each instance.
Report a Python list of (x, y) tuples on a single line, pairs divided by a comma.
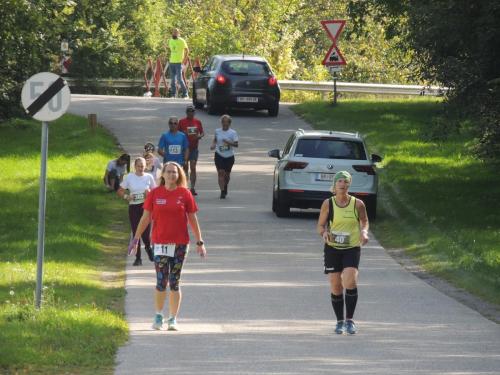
[(172, 324), (340, 327), (350, 327), (158, 322)]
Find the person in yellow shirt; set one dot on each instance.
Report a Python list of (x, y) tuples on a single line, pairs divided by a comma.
[(343, 225), (178, 51)]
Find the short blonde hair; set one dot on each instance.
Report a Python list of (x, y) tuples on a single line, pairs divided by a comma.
[(226, 117), (181, 179)]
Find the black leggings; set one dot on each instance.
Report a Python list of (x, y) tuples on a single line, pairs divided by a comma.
[(135, 213)]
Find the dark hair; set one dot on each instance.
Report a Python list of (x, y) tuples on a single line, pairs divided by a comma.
[(125, 158)]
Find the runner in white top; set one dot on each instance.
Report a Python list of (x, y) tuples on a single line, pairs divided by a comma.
[(138, 185), (225, 140)]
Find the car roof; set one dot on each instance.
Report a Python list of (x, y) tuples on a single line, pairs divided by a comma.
[(327, 133), (240, 57)]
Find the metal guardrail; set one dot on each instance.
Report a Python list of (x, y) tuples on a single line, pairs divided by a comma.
[(364, 88)]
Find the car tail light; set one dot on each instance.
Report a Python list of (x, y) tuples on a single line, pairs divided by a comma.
[(272, 81), (364, 168), (221, 79), (291, 165)]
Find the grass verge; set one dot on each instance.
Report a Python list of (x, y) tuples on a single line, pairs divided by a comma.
[(81, 323), (436, 200)]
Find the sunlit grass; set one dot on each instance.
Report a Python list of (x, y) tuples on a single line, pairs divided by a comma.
[(81, 323), (436, 199)]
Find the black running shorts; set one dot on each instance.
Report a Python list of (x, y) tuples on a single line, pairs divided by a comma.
[(336, 260), (225, 164)]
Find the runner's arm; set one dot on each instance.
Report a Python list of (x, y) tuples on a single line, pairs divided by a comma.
[(143, 224), (186, 155), (233, 144), (363, 220), (195, 226), (322, 220), (123, 194)]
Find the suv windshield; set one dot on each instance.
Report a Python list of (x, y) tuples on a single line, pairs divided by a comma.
[(250, 68), (330, 149)]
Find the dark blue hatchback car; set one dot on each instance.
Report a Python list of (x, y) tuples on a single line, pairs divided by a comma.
[(228, 81)]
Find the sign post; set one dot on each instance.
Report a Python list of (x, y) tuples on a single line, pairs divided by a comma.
[(334, 60), (45, 97)]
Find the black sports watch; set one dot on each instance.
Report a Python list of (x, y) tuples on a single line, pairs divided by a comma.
[(200, 243)]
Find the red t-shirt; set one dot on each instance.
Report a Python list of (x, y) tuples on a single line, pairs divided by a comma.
[(169, 211), (192, 128)]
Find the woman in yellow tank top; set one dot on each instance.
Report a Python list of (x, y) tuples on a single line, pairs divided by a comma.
[(343, 225)]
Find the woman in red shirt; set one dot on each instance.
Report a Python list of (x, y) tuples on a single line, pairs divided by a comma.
[(170, 206)]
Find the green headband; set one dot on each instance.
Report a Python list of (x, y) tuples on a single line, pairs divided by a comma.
[(342, 174)]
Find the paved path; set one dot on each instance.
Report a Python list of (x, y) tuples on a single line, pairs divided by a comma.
[(260, 304)]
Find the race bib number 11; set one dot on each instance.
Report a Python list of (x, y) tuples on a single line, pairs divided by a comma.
[(167, 250)]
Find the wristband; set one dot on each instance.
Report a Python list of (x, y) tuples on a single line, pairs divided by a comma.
[(200, 243)]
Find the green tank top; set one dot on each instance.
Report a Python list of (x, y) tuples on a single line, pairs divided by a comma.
[(344, 228)]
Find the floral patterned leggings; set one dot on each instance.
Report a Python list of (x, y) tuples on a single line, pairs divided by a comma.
[(168, 269)]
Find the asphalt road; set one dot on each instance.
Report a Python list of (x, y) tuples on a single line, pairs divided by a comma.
[(260, 304)]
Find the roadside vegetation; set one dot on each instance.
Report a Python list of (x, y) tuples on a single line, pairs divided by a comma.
[(437, 200), (81, 323)]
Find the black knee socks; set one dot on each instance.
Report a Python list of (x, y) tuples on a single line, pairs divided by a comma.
[(338, 306), (351, 298)]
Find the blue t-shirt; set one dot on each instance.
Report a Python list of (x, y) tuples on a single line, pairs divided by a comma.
[(174, 145)]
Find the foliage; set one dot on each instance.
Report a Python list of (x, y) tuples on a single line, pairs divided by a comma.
[(436, 199), (107, 38), (455, 43), (113, 38), (81, 323)]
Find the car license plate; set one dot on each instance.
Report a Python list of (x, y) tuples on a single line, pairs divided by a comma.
[(325, 177), (247, 99)]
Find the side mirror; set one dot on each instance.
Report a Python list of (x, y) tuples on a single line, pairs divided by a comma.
[(274, 154), (197, 69), (376, 158)]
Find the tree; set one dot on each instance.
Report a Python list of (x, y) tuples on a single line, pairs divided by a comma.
[(455, 43)]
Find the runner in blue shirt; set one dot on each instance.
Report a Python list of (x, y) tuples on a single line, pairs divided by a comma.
[(173, 145)]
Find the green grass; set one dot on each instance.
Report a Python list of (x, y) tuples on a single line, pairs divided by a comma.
[(436, 200), (81, 323)]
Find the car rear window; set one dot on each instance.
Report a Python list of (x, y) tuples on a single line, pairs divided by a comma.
[(240, 67), (330, 149)]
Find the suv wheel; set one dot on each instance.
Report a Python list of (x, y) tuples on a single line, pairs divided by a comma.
[(274, 110), (371, 207), (275, 202), (282, 206)]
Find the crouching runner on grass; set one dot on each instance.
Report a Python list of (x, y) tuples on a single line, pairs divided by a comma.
[(343, 225), (170, 206)]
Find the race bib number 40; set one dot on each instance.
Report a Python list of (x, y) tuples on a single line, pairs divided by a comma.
[(174, 149), (341, 238), (167, 250)]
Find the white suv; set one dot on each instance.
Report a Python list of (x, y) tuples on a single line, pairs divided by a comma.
[(304, 172)]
